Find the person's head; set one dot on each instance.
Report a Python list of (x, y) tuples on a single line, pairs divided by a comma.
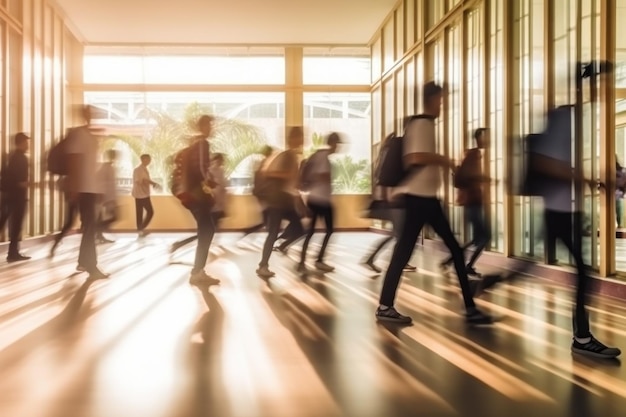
[(111, 155), (145, 159), (295, 138), (22, 141), (333, 140), (481, 136), (88, 113), (205, 125), (267, 151), (219, 159), (432, 96)]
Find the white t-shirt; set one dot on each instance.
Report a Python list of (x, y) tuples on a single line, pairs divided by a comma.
[(557, 144), (141, 188), (83, 143), (419, 137), (320, 192)]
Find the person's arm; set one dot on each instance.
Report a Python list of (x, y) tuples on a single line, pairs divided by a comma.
[(559, 170)]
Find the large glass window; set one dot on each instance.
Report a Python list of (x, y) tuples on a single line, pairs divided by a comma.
[(348, 114), (160, 123), (222, 67), (332, 66)]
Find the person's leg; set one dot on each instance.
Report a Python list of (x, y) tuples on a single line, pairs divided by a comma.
[(139, 213), (550, 240), (314, 216), (481, 233), (274, 218), (619, 208), (18, 210), (377, 248), (147, 205), (294, 230), (440, 225), (327, 213), (87, 257), (206, 230), (401, 253), (5, 210)]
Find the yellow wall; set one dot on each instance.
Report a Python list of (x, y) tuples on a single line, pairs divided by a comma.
[(244, 211)]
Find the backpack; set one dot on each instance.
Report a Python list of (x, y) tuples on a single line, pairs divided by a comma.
[(56, 161), (390, 170), (460, 178), (178, 183), (305, 177)]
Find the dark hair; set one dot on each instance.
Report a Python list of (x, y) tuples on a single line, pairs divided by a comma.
[(431, 89), (20, 138), (145, 155), (479, 132), (218, 156)]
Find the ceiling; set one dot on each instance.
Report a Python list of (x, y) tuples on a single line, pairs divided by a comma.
[(201, 22)]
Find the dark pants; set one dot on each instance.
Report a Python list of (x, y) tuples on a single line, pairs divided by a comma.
[(184, 242), (318, 211), (568, 228), (205, 231), (13, 212), (481, 233), (418, 212), (293, 232), (141, 205), (87, 256)]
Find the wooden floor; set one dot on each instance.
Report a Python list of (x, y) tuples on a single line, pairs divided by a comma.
[(144, 343)]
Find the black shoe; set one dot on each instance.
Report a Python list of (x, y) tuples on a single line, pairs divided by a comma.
[(479, 285), (17, 257), (477, 318), (471, 271), (391, 314), (595, 348), (409, 268), (280, 249)]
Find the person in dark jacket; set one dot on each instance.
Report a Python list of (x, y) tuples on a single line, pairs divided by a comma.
[(14, 199)]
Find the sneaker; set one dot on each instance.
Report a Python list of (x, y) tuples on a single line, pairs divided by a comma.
[(479, 285), (202, 278), (370, 265), (595, 349), (302, 269), (477, 318), (17, 258), (390, 314), (264, 272), (409, 268), (280, 249), (324, 267)]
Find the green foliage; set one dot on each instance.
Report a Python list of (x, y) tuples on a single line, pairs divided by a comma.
[(235, 139), (349, 176)]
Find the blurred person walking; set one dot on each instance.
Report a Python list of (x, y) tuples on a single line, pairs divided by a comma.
[(142, 184)]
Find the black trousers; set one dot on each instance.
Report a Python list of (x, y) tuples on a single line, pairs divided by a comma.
[(12, 211), (205, 232), (397, 219), (481, 232), (418, 212), (71, 211), (184, 242), (141, 205), (293, 231), (568, 228), (87, 257), (318, 211)]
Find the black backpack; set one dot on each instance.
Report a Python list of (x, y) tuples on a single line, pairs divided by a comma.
[(390, 170), (305, 180), (56, 161)]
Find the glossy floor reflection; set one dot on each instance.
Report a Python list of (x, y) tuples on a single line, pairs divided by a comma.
[(146, 343)]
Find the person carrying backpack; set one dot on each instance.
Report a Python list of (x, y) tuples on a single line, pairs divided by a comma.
[(257, 190), (469, 180), (317, 181), (193, 185), (422, 206)]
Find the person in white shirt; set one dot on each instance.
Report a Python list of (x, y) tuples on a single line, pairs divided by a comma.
[(83, 187), (420, 187), (141, 193), (319, 201)]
